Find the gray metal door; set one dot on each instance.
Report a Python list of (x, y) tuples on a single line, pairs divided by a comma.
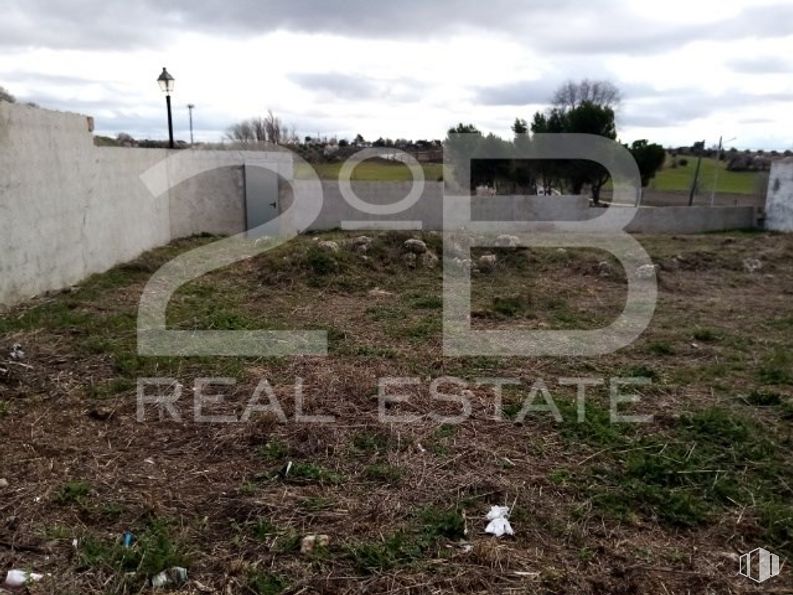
[(261, 196)]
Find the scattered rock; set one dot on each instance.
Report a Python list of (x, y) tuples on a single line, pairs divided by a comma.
[(415, 246), (605, 269), (463, 264), (312, 542), (410, 259), (328, 246), (507, 241), (486, 263), (100, 413), (3, 482), (361, 243), (752, 265), (646, 272), (428, 260), (377, 292)]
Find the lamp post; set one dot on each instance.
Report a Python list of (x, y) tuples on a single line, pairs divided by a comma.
[(166, 84), (190, 108)]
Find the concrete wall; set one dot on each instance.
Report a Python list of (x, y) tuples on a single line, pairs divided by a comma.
[(427, 212), (69, 209), (779, 202)]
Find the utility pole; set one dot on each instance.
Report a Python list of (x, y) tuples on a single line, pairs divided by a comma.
[(718, 168), (701, 149), (190, 108)]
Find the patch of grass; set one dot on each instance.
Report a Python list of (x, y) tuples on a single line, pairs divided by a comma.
[(316, 504), (371, 441), (265, 583), (777, 368), (511, 306), (660, 348), (311, 473), (427, 302), (399, 549), (262, 529), (684, 479), (73, 492), (274, 450), (383, 473), (640, 371), (761, 398), (442, 522), (4, 408), (321, 262), (706, 335), (154, 550)]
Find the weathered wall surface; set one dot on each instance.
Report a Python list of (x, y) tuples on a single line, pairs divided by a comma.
[(427, 212), (779, 202), (69, 209)]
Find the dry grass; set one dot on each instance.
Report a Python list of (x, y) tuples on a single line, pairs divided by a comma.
[(662, 508)]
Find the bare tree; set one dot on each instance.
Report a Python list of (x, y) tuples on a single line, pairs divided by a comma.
[(274, 128), (269, 129), (5, 95), (572, 94)]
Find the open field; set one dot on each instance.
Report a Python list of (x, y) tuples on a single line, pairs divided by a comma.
[(679, 178), (373, 170), (669, 179), (660, 507)]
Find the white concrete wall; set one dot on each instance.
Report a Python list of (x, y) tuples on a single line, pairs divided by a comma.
[(779, 201), (69, 209)]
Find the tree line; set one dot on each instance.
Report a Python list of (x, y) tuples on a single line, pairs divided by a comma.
[(585, 107)]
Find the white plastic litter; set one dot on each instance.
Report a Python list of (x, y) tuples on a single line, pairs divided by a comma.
[(173, 576), (16, 354), (499, 521), (20, 578)]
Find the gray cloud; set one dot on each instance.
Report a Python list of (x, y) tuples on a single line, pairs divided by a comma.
[(343, 86), (564, 26), (761, 65), (517, 93)]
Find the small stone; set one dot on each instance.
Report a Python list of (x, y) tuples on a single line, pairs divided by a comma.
[(3, 482), (604, 269), (312, 542), (507, 241), (328, 246), (415, 246), (752, 265), (428, 260), (646, 272), (487, 263), (100, 413), (361, 244)]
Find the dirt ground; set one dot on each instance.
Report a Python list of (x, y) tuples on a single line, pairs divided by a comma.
[(597, 507)]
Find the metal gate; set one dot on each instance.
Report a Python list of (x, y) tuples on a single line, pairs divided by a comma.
[(261, 196)]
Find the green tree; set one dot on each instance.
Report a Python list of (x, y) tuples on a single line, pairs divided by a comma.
[(649, 157)]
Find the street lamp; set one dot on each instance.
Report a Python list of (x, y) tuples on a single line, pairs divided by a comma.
[(190, 108), (166, 84)]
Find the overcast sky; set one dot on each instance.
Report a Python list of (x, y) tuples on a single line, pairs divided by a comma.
[(688, 69)]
